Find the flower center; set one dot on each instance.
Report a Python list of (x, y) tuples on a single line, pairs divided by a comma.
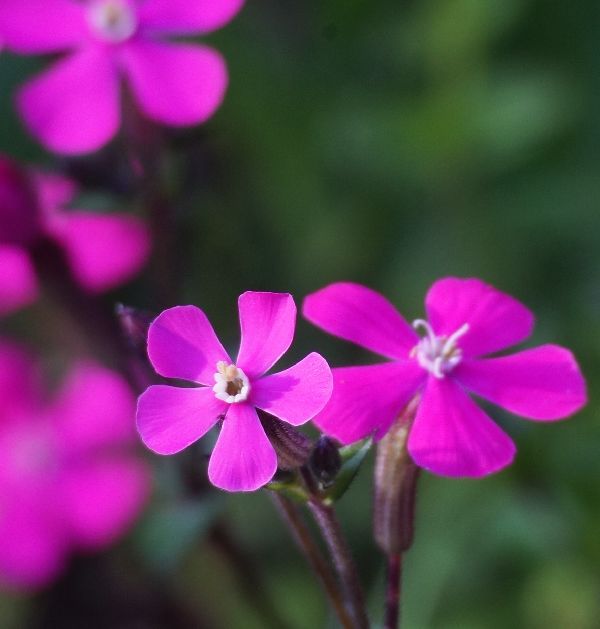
[(232, 384), (438, 354), (113, 20)]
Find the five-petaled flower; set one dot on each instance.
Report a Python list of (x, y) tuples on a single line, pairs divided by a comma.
[(102, 250), (182, 344), (69, 477), (74, 107), (467, 319)]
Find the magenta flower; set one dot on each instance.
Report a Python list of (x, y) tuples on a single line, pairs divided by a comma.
[(468, 319), (182, 344), (103, 250), (69, 480), (74, 106)]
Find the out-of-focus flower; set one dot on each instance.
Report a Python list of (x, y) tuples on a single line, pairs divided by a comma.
[(103, 250), (69, 479), (74, 106), (182, 344), (467, 319)]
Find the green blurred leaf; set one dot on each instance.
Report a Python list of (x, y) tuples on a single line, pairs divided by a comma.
[(168, 533), (352, 458)]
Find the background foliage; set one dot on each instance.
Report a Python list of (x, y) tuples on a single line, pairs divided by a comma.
[(387, 143)]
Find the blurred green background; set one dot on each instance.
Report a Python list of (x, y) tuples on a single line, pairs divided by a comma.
[(389, 143)]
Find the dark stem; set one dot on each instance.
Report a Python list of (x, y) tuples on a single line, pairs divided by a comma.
[(333, 535), (393, 589), (301, 534), (248, 578)]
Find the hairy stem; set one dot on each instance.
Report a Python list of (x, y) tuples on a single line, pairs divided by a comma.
[(393, 589), (345, 567), (301, 534)]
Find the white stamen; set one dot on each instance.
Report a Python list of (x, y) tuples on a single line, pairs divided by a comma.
[(114, 21), (232, 384), (438, 354)]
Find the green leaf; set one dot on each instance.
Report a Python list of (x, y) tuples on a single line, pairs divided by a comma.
[(168, 533), (352, 458)]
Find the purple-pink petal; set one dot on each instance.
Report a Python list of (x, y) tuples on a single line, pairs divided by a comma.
[(363, 316), (452, 436), (104, 251), (170, 419), (18, 282), (296, 394), (176, 84), (183, 16), (33, 548), (41, 26), (73, 107), (182, 344), (267, 322), (366, 400), (19, 381), (100, 499), (94, 410), (243, 458), (496, 320), (542, 383)]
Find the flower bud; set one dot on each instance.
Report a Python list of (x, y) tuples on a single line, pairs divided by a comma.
[(292, 447), (325, 461), (395, 487), (19, 222)]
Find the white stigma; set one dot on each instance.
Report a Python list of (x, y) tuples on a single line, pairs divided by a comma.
[(438, 354), (232, 384), (114, 21)]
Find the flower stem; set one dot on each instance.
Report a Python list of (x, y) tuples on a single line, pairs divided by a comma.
[(330, 528), (395, 488), (393, 590), (293, 519)]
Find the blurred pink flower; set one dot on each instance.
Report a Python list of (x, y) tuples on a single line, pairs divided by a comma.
[(103, 250), (69, 480), (74, 107), (182, 344), (468, 319)]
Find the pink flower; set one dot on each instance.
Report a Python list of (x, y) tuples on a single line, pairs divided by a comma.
[(468, 319), (103, 250), (74, 106), (68, 478), (182, 344)]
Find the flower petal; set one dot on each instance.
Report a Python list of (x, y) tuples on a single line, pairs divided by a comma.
[(94, 409), (543, 383), (170, 419), (34, 547), (41, 26), (74, 106), (496, 320), (101, 499), (20, 386), (53, 191), (243, 459), (182, 344), (19, 220), (182, 16), (296, 394), (104, 251), (366, 400), (267, 322), (188, 96), (452, 436), (361, 315), (18, 282)]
